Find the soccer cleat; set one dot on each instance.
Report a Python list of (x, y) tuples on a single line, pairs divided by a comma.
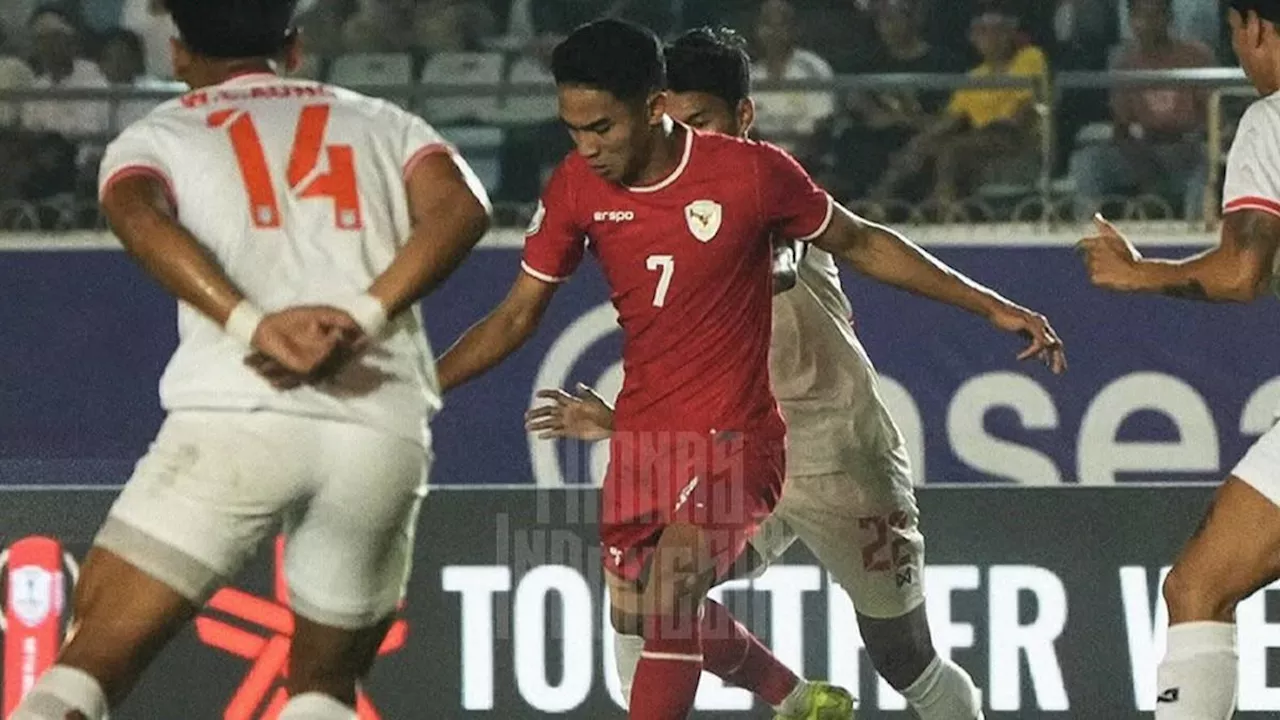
[(824, 702)]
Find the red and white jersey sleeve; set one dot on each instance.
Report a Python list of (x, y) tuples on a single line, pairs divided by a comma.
[(1253, 166), (795, 207), (420, 141), (133, 153), (555, 242)]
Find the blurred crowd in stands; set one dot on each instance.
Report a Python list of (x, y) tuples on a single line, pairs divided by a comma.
[(885, 148)]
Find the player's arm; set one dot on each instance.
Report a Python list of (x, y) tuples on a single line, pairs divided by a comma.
[(139, 213), (450, 213), (884, 254), (499, 334), (553, 247), (1236, 270)]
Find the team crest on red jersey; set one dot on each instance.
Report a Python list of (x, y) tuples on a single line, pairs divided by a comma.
[(704, 217)]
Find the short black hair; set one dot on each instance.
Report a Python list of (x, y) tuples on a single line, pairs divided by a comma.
[(1266, 9), (129, 38), (619, 57), (710, 60), (998, 8), (68, 13), (234, 29)]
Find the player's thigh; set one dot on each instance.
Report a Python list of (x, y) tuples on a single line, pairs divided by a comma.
[(1236, 550), (349, 550), (707, 535), (863, 526), (123, 617), (209, 490)]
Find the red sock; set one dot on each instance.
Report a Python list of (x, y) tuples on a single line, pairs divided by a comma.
[(739, 658), (666, 680)]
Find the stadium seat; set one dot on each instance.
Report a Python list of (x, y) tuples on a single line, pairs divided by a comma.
[(1095, 134), (372, 69), (528, 109), (479, 71)]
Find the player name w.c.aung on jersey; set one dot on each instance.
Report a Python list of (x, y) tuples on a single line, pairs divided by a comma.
[(688, 261), (297, 190)]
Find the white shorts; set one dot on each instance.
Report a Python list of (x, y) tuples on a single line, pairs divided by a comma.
[(863, 526), (214, 485), (1260, 467)]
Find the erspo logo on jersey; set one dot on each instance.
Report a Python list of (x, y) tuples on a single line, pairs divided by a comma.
[(39, 575), (565, 364), (615, 216)]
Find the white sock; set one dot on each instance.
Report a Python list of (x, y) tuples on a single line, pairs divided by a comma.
[(1197, 679), (626, 651), (316, 706), (796, 703), (60, 690), (944, 691)]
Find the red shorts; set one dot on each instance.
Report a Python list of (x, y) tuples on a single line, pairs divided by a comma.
[(726, 483)]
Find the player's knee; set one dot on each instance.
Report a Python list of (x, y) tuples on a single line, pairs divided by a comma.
[(1193, 593)]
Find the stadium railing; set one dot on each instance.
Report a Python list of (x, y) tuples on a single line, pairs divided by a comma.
[(1039, 206)]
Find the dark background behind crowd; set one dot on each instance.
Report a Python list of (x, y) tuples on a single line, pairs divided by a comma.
[(891, 148)]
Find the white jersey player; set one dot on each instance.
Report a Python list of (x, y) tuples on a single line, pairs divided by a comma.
[(848, 494), (1236, 550), (298, 224)]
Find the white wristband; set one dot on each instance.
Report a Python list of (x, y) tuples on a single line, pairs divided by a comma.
[(368, 313), (243, 322)]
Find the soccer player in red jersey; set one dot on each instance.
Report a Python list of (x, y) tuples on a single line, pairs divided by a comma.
[(682, 224)]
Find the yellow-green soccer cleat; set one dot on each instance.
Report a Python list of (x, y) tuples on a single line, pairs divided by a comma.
[(824, 701)]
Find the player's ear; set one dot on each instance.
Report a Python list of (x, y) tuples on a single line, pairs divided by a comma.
[(656, 107), (181, 58), (291, 57), (1256, 29), (746, 116)]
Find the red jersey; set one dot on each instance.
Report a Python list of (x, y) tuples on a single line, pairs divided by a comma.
[(688, 261)]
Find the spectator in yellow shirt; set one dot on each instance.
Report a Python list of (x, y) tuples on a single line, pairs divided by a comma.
[(979, 125)]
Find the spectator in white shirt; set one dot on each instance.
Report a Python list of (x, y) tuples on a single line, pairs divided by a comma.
[(56, 42), (15, 74), (787, 117), (122, 60), (150, 20)]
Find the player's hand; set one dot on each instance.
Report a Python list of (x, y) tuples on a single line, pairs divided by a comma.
[(1112, 261), (583, 416), (305, 344), (1035, 327)]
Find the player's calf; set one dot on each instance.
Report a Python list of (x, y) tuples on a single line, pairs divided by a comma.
[(124, 617), (330, 661), (1235, 551), (901, 650)]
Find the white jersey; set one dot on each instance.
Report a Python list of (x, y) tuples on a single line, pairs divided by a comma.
[(822, 377), (1253, 165), (297, 190)]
